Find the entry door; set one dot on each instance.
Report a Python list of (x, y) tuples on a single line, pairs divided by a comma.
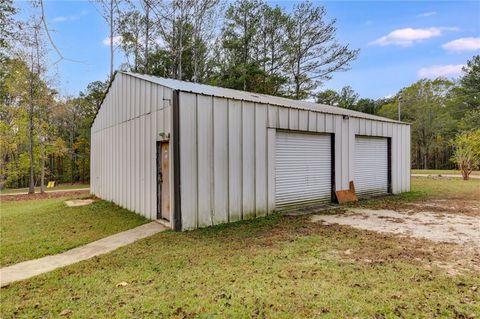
[(163, 182), (371, 165), (303, 169)]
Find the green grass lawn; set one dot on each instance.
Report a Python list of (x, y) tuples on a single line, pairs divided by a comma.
[(445, 188), (441, 171), (37, 189), (423, 188), (36, 228), (274, 267)]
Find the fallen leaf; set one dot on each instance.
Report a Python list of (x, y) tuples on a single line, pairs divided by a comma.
[(65, 312)]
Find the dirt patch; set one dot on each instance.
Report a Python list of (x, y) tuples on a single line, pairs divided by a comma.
[(464, 206), (78, 202), (449, 241), (451, 206), (19, 197), (459, 229)]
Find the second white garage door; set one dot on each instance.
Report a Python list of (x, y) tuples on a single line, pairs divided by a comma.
[(303, 169), (371, 165)]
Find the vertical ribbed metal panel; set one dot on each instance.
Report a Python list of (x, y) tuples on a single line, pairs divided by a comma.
[(371, 165), (124, 135), (228, 151), (220, 160), (302, 169)]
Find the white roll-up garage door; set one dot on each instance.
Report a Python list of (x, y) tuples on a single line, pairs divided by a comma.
[(303, 169), (371, 166)]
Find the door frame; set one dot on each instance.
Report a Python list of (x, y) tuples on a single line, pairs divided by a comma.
[(159, 173)]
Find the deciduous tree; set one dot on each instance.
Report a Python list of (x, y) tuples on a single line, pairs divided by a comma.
[(314, 53), (467, 152)]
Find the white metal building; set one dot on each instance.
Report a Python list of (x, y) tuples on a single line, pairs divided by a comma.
[(195, 155)]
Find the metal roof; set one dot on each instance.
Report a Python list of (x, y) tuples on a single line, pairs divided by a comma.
[(255, 97)]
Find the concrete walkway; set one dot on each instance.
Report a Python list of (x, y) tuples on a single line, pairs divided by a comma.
[(31, 268), (445, 175)]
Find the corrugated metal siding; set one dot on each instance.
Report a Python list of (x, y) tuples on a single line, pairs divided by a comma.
[(303, 169), (209, 90), (227, 150), (223, 160), (243, 139), (123, 142), (371, 166)]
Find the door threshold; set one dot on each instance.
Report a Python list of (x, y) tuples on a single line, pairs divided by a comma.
[(164, 222)]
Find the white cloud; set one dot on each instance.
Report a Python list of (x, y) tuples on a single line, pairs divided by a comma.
[(60, 19), (71, 17), (426, 14), (462, 45), (116, 40), (449, 70), (408, 36)]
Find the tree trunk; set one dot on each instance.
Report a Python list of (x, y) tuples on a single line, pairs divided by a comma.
[(31, 186), (180, 45), (72, 158), (299, 60), (147, 35), (111, 39), (42, 178), (465, 170), (245, 48), (195, 46)]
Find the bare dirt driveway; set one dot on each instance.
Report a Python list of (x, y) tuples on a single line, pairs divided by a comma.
[(453, 224), (439, 227)]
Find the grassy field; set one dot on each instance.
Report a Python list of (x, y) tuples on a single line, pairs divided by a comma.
[(441, 171), (430, 188), (36, 228), (37, 189), (274, 267)]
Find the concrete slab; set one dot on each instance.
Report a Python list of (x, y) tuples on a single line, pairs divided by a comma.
[(78, 202), (31, 268)]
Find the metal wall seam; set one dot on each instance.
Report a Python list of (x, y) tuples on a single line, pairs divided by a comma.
[(248, 160), (260, 159), (220, 160), (234, 160), (188, 161), (204, 159)]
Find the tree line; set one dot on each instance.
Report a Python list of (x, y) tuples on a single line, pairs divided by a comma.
[(442, 113), (246, 45), (256, 47)]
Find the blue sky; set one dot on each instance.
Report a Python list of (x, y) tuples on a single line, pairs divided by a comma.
[(399, 42)]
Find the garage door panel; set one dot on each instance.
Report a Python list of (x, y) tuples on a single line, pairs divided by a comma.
[(371, 166), (302, 169)]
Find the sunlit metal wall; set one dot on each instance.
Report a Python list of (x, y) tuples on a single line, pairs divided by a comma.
[(133, 116), (227, 159), (227, 149)]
